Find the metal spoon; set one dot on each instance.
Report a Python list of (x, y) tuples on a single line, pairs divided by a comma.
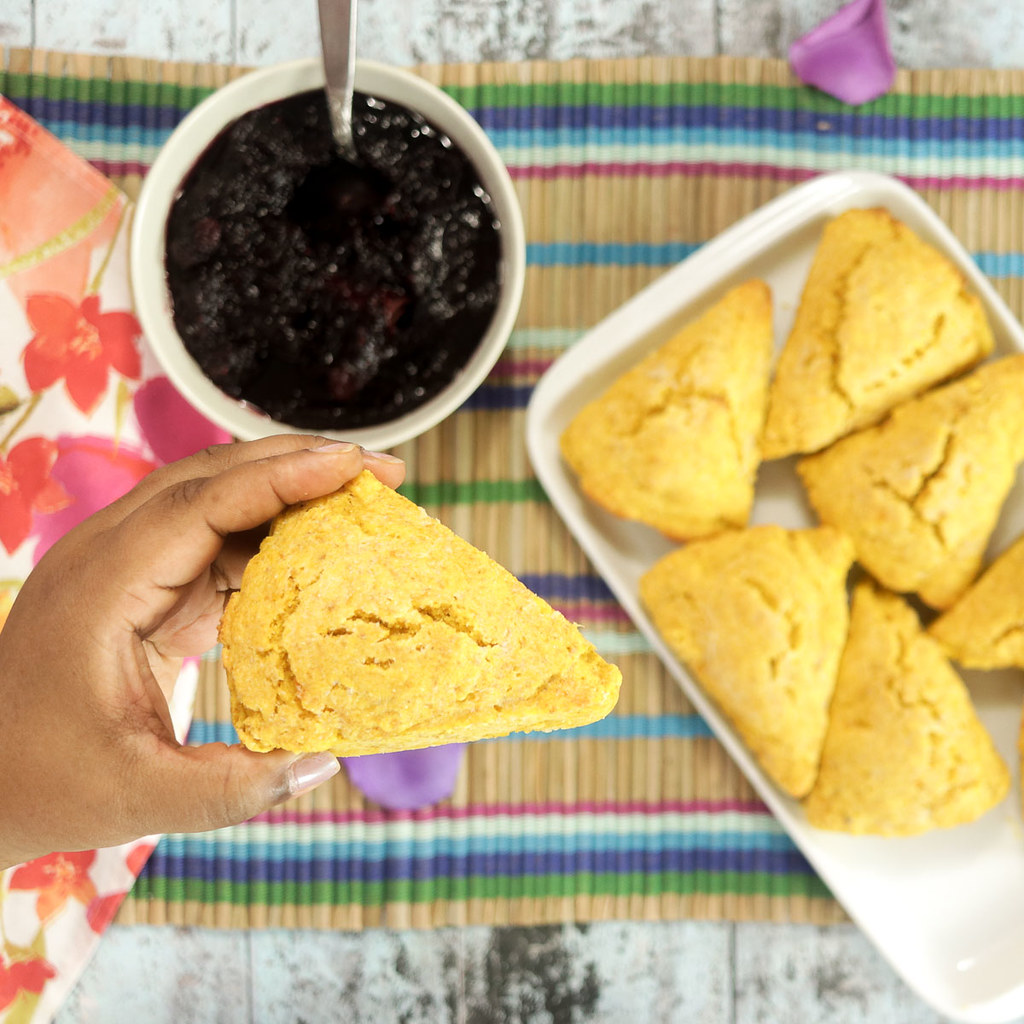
[(346, 186), (338, 43)]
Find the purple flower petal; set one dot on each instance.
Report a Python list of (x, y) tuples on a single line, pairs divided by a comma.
[(171, 426), (847, 55), (408, 779)]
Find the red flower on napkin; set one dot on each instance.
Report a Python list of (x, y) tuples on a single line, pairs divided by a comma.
[(58, 877), (26, 487), (100, 912), (80, 344), (23, 976)]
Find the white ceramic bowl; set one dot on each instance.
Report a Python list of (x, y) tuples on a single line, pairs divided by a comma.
[(181, 151)]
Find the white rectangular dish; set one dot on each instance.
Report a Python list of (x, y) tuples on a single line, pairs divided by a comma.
[(946, 908)]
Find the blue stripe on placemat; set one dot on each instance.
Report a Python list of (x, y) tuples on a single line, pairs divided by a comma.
[(344, 842), (616, 727), (180, 858), (615, 123)]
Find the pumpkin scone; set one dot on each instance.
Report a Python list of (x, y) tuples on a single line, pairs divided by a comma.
[(674, 442), (883, 316), (920, 493), (364, 625), (759, 616), (985, 628), (905, 751)]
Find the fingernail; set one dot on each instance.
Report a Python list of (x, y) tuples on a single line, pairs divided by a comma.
[(336, 447), (307, 772), (382, 457)]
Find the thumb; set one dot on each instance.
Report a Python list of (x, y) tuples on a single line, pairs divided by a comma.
[(195, 789)]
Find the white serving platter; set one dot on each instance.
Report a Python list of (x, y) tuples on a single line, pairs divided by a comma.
[(945, 908)]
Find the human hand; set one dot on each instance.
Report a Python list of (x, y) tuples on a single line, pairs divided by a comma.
[(94, 642)]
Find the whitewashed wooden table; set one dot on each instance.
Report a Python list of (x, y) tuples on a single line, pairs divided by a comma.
[(711, 973)]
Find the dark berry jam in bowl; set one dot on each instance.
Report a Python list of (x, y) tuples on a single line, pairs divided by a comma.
[(284, 291)]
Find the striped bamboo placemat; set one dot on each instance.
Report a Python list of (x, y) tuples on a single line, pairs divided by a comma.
[(622, 168)]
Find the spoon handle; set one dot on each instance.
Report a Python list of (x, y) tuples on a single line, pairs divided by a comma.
[(338, 42)]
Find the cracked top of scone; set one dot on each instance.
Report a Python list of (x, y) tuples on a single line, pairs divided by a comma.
[(364, 625), (883, 316), (905, 751), (759, 616), (674, 442), (921, 492), (985, 628)]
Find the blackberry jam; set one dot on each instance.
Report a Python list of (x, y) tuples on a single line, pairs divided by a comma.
[(328, 295)]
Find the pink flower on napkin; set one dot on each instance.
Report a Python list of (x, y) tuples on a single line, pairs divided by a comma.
[(847, 55), (26, 486), (58, 877), (18, 976), (93, 471), (79, 344), (172, 427)]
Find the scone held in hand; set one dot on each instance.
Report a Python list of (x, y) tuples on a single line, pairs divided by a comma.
[(905, 751), (674, 442), (364, 625), (759, 616), (883, 317)]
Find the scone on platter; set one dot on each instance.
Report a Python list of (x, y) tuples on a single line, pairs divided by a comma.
[(985, 628), (674, 442), (905, 751), (920, 493), (364, 625), (883, 316), (759, 616)]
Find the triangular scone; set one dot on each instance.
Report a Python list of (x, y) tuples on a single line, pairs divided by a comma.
[(905, 751), (985, 628), (883, 316), (364, 625), (674, 442), (759, 616), (921, 492)]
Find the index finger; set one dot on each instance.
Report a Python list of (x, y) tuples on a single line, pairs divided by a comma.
[(208, 462)]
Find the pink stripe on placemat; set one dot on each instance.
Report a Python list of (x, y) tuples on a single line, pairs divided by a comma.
[(372, 816)]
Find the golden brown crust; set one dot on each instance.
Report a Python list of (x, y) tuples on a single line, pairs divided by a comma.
[(674, 442), (921, 492), (882, 317), (905, 751), (985, 628), (760, 617), (364, 625)]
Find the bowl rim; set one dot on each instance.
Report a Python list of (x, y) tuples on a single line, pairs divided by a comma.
[(187, 142)]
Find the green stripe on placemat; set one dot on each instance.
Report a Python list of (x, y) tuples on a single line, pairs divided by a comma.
[(109, 91), (453, 492), (492, 887)]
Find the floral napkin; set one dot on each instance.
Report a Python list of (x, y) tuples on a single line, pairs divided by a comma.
[(84, 414)]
